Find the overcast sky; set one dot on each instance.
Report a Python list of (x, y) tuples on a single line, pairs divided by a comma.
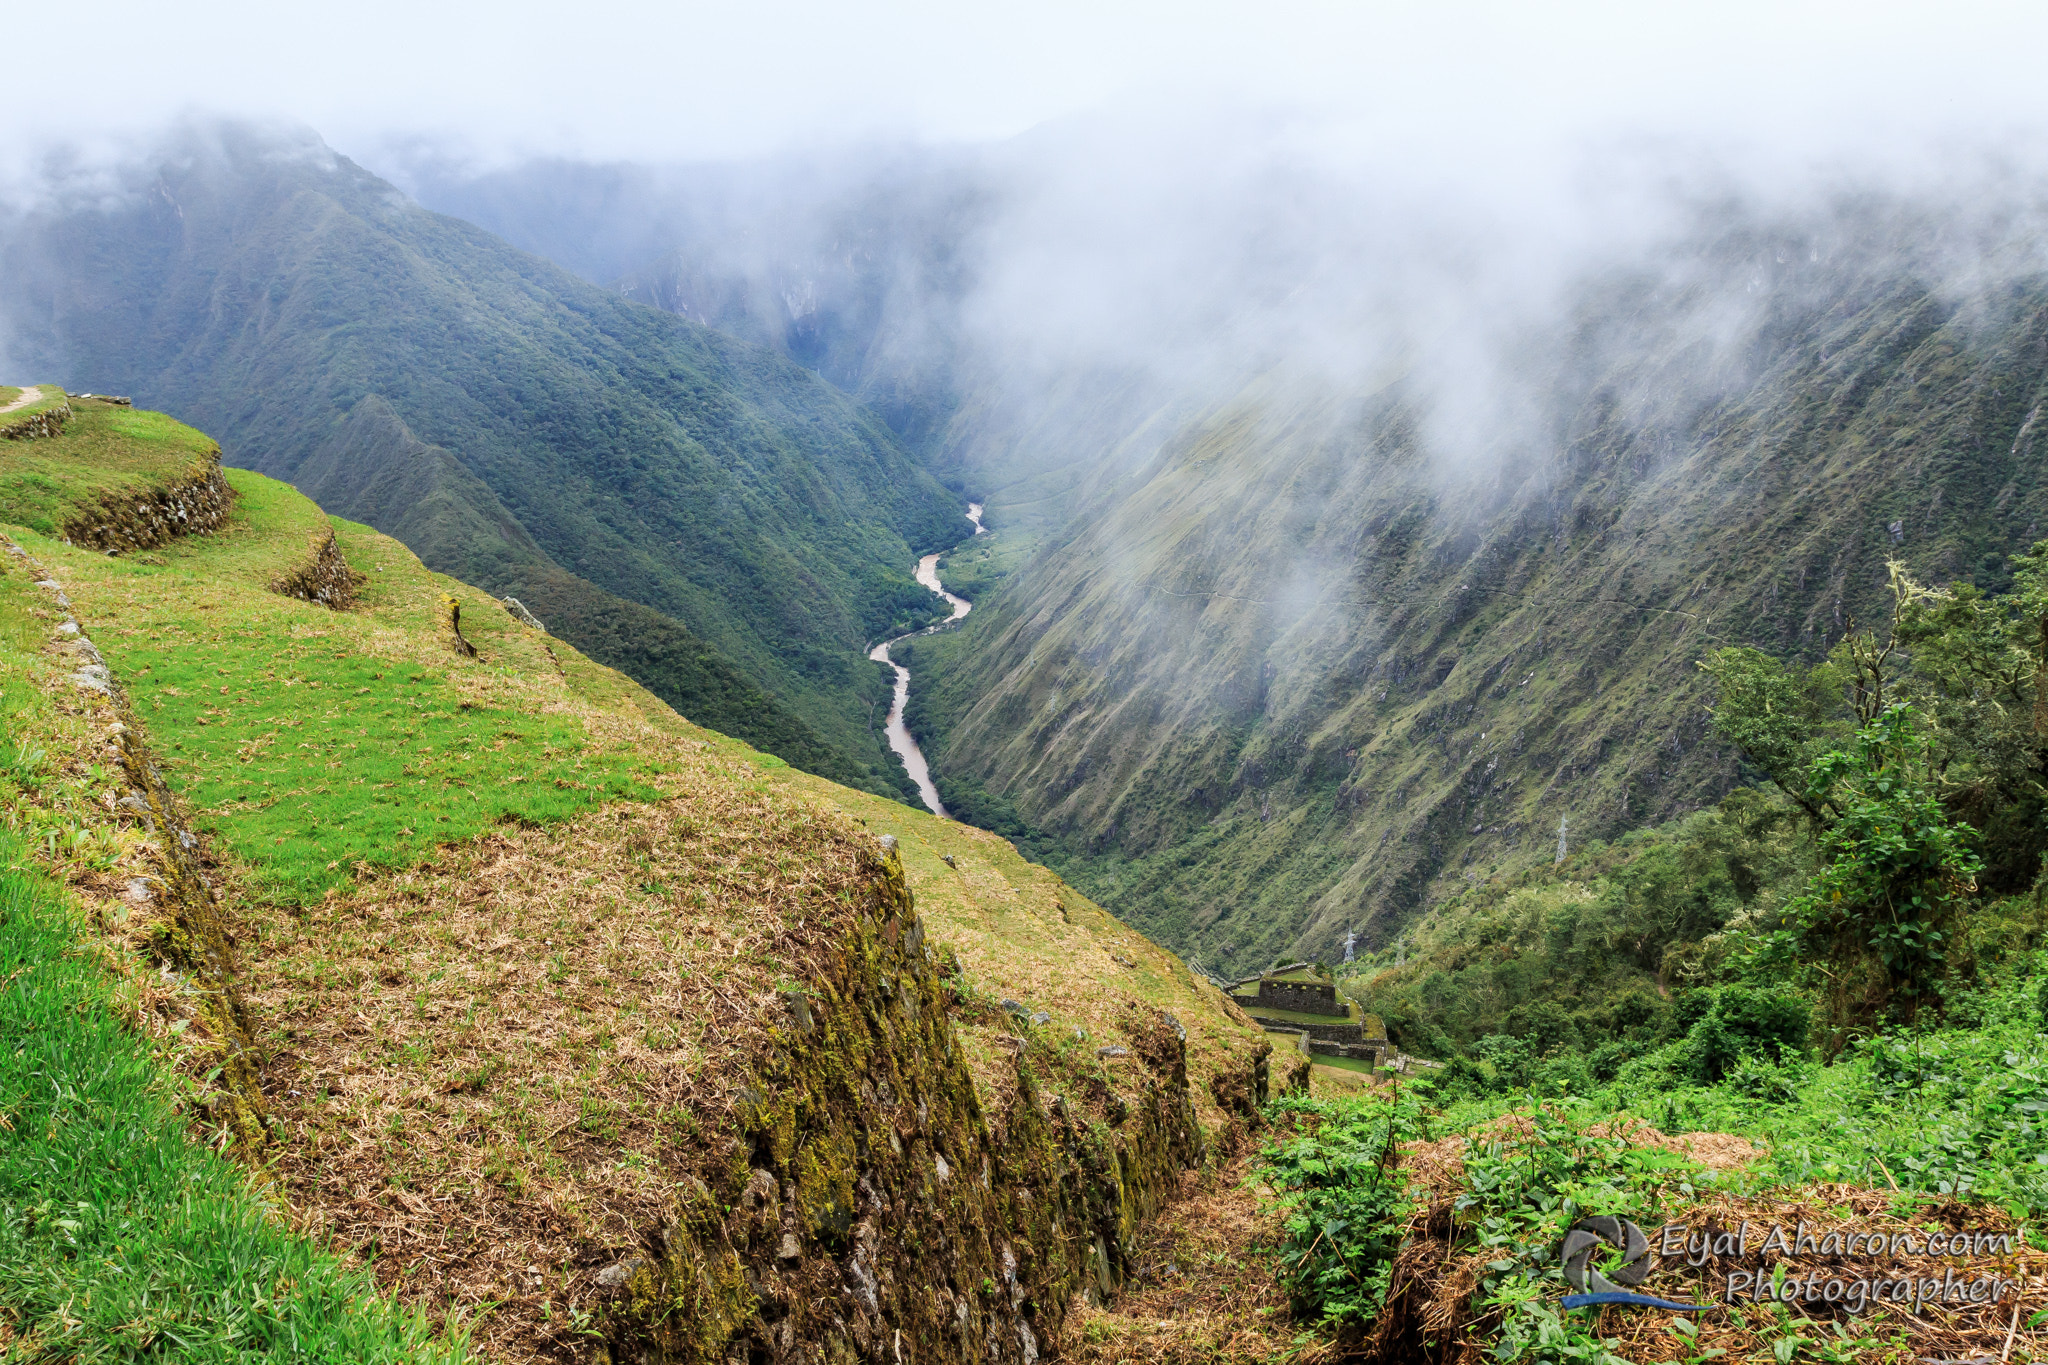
[(611, 78)]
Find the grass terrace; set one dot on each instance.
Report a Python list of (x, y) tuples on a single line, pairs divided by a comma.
[(315, 744), (120, 1237), (512, 930), (1019, 924), (48, 483)]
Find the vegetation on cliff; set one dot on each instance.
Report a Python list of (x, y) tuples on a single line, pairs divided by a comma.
[(1307, 670), (1820, 1000)]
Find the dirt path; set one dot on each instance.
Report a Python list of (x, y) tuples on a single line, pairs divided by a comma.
[(30, 393)]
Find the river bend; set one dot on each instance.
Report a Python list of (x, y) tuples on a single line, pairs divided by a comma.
[(900, 738)]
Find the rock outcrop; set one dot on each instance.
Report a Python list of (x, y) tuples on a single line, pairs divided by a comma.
[(522, 615)]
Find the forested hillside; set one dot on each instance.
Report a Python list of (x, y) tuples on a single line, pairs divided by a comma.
[(690, 506), (1312, 667), (853, 265)]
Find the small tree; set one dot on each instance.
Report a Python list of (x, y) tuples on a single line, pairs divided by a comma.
[(1876, 920)]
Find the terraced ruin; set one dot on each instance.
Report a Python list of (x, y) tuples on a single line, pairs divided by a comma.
[(586, 1032)]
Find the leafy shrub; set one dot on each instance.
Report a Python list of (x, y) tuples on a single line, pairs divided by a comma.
[(1736, 1023), (1344, 1208), (1565, 1074), (1460, 1078), (1510, 1061), (1607, 1060), (1524, 1192)]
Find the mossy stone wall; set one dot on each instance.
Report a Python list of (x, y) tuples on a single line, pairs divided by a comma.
[(324, 578), (48, 422), (879, 1205), (141, 521)]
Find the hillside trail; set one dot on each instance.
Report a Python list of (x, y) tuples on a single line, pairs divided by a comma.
[(33, 393), (900, 738)]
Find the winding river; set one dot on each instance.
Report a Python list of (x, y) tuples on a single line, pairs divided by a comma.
[(900, 738)]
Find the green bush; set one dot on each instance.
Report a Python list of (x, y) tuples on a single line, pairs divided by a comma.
[(1345, 1207), (1736, 1022), (1607, 1060), (1509, 1061)]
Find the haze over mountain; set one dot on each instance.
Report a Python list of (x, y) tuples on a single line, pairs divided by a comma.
[(1509, 547), (1262, 398), (680, 503), (1301, 462)]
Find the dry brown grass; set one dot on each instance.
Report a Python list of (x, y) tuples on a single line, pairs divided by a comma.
[(1202, 1292), (490, 1074)]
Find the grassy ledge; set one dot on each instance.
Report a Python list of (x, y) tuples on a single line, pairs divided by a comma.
[(120, 1237), (103, 452)]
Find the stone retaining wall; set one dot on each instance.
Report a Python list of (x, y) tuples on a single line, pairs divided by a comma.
[(48, 422), (882, 1207), (141, 521), (1331, 1032), (188, 928), (1370, 1051), (325, 578)]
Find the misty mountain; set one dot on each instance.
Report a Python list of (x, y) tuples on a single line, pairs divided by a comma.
[(1308, 625), (853, 267), (1305, 672), (867, 268), (689, 506)]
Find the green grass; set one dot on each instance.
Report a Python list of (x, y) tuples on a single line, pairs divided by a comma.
[(47, 482), (121, 1239), (1343, 1063), (308, 740)]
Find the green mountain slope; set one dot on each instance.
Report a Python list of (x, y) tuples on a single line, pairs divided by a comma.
[(1300, 676), (265, 290), (423, 495)]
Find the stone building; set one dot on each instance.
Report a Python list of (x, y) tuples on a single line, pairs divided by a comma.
[(1297, 987)]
